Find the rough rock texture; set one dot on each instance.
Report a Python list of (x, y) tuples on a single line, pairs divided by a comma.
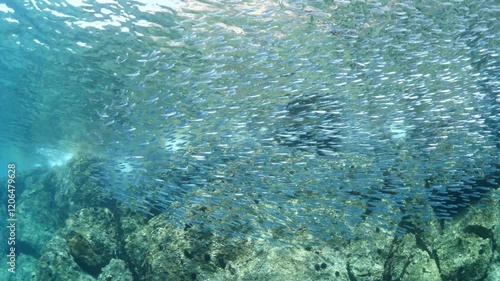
[(97, 243), (26, 264), (408, 260), (462, 249), (92, 236), (38, 225), (77, 185), (45, 200), (116, 270), (463, 256), (365, 258), (58, 264), (494, 272), (285, 262), (467, 247), (160, 251), (88, 242)]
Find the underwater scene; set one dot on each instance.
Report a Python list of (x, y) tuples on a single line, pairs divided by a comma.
[(247, 140)]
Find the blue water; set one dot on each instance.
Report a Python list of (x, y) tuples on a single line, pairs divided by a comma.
[(323, 117)]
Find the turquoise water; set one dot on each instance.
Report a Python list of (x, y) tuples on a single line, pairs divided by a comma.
[(260, 119), (397, 100)]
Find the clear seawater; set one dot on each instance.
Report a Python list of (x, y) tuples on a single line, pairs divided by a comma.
[(318, 117)]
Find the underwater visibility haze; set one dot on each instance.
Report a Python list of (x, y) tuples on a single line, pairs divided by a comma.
[(298, 122)]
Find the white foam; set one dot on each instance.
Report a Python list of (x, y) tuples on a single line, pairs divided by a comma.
[(55, 157)]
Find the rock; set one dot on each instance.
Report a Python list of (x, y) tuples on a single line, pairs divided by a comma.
[(158, 251), (463, 256), (57, 264), (410, 260), (92, 236), (88, 242), (38, 225), (467, 246), (116, 270), (78, 185)]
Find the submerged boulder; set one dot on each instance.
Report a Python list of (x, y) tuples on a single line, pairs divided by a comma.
[(88, 242)]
